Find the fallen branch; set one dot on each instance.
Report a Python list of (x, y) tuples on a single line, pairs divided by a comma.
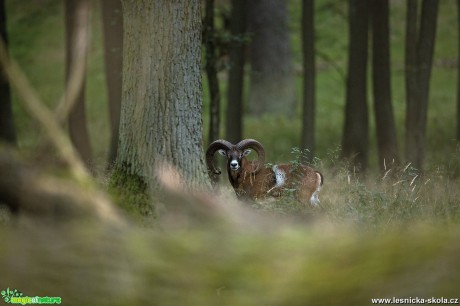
[(29, 192)]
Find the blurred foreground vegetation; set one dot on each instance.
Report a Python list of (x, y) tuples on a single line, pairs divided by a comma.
[(87, 264)]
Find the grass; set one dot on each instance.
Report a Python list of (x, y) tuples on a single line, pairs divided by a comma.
[(399, 198)]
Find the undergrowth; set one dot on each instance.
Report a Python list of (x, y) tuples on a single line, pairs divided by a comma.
[(399, 196)]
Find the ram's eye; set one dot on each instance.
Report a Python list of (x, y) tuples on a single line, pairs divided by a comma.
[(246, 152)]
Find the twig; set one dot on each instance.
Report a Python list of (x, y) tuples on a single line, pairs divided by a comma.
[(31, 192), (43, 115), (78, 63)]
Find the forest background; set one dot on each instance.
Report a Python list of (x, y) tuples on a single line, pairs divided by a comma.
[(37, 36)]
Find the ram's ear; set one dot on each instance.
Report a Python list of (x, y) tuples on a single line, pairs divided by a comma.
[(222, 152), (247, 152)]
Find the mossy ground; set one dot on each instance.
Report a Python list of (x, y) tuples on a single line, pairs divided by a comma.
[(130, 193)]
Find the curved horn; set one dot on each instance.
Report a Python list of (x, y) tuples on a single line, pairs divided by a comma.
[(213, 147), (256, 146)]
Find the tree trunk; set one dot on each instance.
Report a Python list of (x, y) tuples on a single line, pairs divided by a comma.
[(77, 14), (411, 78), (112, 22), (308, 44), (272, 86), (7, 130), (234, 122), (419, 58), (211, 72), (458, 70), (381, 79), (162, 92), (355, 137)]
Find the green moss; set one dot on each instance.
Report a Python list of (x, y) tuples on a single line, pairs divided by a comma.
[(130, 193)]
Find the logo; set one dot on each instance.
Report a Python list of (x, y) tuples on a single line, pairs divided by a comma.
[(13, 296)]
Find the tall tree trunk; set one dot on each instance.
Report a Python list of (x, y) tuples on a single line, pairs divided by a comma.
[(309, 101), (112, 22), (234, 121), (162, 91), (7, 130), (272, 85), (458, 70), (355, 137), (211, 72), (77, 14), (381, 80), (419, 58), (411, 78)]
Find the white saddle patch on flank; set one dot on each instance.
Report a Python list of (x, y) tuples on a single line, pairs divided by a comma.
[(280, 176), (314, 200)]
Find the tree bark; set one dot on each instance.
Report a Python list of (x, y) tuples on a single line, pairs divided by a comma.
[(381, 80), (77, 15), (418, 63), (7, 129), (211, 72), (272, 86), (162, 92), (458, 70), (112, 22), (355, 137), (411, 77), (309, 73), (234, 121)]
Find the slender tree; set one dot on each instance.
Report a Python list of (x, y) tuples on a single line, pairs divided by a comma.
[(458, 70), (112, 22), (308, 44), (381, 83), (162, 92), (77, 14), (211, 71), (355, 136), (7, 130), (418, 62), (234, 121), (272, 85)]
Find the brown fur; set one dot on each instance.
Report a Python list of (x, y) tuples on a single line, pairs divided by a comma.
[(262, 184)]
